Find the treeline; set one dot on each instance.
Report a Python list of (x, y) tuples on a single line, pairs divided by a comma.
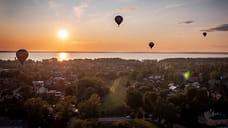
[(179, 108), (195, 60)]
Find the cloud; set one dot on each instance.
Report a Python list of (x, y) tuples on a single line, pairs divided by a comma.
[(169, 7), (80, 8), (222, 27), (187, 22), (54, 4), (125, 9), (127, 0), (174, 5)]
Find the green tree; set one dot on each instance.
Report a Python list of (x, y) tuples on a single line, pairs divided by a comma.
[(164, 93), (133, 98), (178, 99), (196, 102), (214, 75), (89, 108), (26, 91), (37, 111), (83, 124), (169, 112), (70, 90), (149, 101), (88, 86)]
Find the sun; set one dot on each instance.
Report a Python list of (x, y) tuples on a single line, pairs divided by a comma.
[(63, 34)]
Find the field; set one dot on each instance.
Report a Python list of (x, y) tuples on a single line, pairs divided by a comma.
[(114, 101)]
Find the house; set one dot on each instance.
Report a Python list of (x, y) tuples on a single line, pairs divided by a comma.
[(51, 92), (38, 83), (67, 83), (42, 90), (37, 86), (151, 77), (155, 77), (171, 84), (196, 84), (74, 109), (58, 78), (212, 118), (55, 93), (172, 87), (58, 93), (186, 86)]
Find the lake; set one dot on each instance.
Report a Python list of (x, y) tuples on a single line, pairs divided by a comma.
[(38, 56)]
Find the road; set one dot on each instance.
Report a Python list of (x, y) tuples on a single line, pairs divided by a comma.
[(114, 119)]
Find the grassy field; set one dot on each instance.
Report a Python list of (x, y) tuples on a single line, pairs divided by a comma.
[(143, 124), (114, 101)]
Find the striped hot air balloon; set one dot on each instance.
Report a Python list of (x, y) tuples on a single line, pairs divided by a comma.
[(22, 55)]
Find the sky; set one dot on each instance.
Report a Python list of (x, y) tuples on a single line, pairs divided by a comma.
[(173, 25)]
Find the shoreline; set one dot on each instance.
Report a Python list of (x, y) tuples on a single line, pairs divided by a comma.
[(119, 52), (169, 60)]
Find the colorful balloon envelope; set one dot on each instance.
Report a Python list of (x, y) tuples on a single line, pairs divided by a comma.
[(119, 19), (22, 55)]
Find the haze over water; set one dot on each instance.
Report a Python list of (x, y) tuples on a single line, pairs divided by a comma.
[(39, 56)]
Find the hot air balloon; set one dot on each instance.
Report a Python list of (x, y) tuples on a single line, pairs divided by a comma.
[(204, 34), (151, 44), (119, 19), (22, 55)]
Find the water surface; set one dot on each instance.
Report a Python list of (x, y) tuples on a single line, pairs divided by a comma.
[(38, 56)]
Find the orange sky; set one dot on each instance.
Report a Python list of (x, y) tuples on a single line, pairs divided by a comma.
[(34, 26)]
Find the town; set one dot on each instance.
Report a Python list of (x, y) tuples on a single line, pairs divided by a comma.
[(178, 92)]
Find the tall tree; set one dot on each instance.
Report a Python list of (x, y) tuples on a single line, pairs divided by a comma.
[(89, 108), (134, 98), (37, 111), (149, 101)]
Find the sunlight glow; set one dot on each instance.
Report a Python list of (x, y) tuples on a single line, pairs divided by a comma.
[(63, 34), (63, 56)]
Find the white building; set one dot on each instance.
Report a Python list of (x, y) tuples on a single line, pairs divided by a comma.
[(38, 83), (42, 90)]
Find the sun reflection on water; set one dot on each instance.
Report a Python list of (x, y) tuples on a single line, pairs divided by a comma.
[(63, 56)]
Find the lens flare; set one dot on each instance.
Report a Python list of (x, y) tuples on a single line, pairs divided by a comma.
[(186, 75)]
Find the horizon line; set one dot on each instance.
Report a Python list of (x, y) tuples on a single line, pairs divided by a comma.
[(116, 52)]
